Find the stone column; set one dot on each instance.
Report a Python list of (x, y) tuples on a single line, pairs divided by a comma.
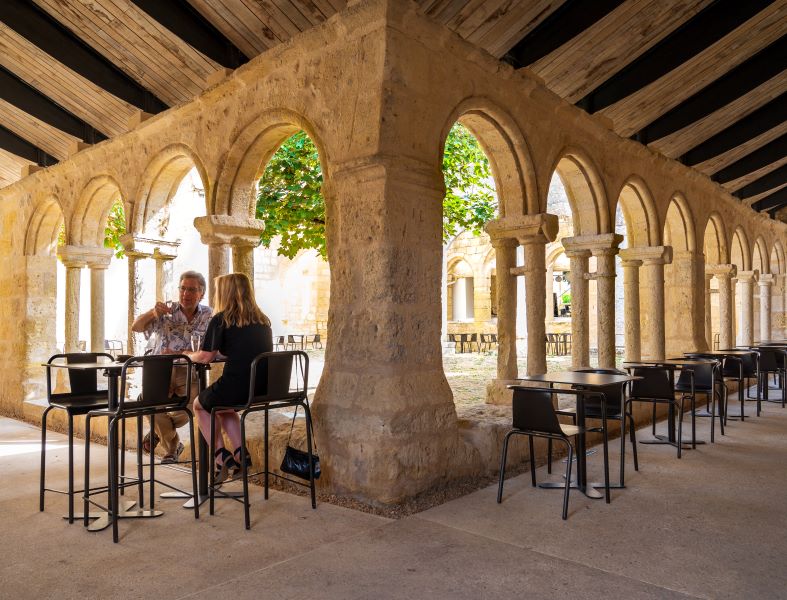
[(218, 264), (580, 328), (98, 269), (734, 306), (765, 282), (746, 281), (633, 350), (605, 282), (243, 258), (505, 260), (685, 304), (73, 279), (535, 271), (723, 274), (134, 293), (651, 297), (708, 315), (163, 273)]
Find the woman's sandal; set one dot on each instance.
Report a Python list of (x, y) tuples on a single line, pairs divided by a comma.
[(225, 468), (236, 458)]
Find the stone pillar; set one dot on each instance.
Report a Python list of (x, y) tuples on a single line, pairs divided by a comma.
[(605, 282), (134, 293), (505, 260), (98, 271), (535, 271), (243, 258), (746, 281), (218, 264), (724, 274), (765, 282), (685, 304), (734, 307), (580, 327), (163, 273), (708, 315), (73, 279), (633, 345), (651, 296)]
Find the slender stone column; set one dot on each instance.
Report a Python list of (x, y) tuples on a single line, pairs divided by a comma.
[(734, 306), (163, 273), (535, 289), (505, 260), (782, 291), (218, 264), (243, 258), (746, 281), (708, 315), (580, 326), (633, 343), (724, 274), (73, 279), (97, 309), (765, 282), (605, 282), (134, 293)]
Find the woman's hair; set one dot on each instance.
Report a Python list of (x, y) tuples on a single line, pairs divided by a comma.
[(234, 299)]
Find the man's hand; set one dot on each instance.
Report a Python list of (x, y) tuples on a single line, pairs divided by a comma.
[(161, 309)]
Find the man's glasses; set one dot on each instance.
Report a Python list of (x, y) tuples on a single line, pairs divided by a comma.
[(192, 290)]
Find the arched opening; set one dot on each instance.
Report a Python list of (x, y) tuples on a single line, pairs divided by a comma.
[(714, 247), (760, 258), (740, 256), (680, 278)]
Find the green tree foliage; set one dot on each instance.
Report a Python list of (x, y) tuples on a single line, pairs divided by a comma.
[(290, 201), (116, 227)]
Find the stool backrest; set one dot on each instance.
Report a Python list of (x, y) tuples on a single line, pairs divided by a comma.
[(80, 382), (771, 359), (156, 377), (614, 393), (278, 376), (655, 383), (704, 374), (533, 411)]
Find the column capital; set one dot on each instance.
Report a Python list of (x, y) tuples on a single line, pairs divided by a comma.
[(649, 255), (504, 242), (527, 229), (81, 256), (766, 280), (601, 244), (157, 254), (721, 271), (630, 262), (228, 229), (748, 276)]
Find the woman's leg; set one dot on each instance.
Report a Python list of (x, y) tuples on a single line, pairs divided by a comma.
[(230, 423), (203, 417)]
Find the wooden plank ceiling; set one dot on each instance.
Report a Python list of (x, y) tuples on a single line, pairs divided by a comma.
[(700, 81)]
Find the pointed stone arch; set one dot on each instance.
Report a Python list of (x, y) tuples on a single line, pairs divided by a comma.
[(507, 150), (760, 257), (160, 180), (639, 213), (740, 252), (91, 211), (679, 226), (585, 191), (235, 190), (777, 258), (714, 241), (43, 227)]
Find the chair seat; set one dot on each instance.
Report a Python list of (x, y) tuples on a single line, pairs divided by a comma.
[(80, 403), (702, 389), (591, 412), (569, 430)]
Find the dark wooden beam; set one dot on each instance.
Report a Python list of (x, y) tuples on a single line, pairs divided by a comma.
[(15, 91), (188, 24), (754, 161), (751, 126), (738, 82), (49, 35), (566, 22), (704, 29), (14, 144), (765, 183), (773, 202)]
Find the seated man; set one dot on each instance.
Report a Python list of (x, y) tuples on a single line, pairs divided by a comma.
[(169, 329)]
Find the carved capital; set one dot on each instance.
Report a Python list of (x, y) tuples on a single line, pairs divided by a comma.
[(649, 255), (76, 257), (721, 271), (526, 229), (228, 229)]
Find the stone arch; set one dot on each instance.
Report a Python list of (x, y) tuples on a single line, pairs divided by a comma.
[(507, 150), (679, 226), (235, 191), (777, 258), (760, 256), (585, 191), (715, 242), (92, 209), (740, 253), (43, 227), (639, 213), (160, 181)]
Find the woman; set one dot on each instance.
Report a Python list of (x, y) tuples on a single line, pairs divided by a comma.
[(240, 331)]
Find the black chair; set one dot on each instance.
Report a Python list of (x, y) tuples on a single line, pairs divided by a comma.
[(272, 385), (772, 361), (741, 369), (154, 399), (316, 342), (84, 396), (704, 379), (278, 343), (615, 410), (487, 341), (534, 416), (655, 387)]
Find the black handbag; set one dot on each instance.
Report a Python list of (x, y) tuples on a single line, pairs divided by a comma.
[(295, 461)]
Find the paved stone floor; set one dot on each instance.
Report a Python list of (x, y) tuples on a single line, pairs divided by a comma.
[(711, 525)]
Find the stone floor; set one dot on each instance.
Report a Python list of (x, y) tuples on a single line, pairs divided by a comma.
[(710, 525)]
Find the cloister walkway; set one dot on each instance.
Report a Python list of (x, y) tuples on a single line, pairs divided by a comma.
[(708, 526)]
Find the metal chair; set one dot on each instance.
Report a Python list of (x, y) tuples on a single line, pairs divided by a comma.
[(154, 399), (113, 347), (271, 386), (704, 379), (741, 369), (83, 397), (278, 343), (534, 416), (656, 388), (772, 360), (615, 410), (316, 342)]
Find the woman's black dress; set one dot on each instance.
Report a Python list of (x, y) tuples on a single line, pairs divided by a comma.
[(240, 345)]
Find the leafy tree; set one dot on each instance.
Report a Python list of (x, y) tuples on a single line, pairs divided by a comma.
[(290, 201), (116, 227)]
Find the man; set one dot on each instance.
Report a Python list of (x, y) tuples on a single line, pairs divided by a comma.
[(168, 327)]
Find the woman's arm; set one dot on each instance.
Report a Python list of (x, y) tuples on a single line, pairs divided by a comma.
[(202, 356)]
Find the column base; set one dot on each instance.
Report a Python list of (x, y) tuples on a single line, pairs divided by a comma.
[(497, 391)]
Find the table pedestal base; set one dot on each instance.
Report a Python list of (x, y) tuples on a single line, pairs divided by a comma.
[(663, 439), (103, 520), (202, 497), (589, 491)]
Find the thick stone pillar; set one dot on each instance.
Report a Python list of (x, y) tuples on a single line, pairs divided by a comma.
[(708, 315), (535, 290), (746, 281), (505, 260), (651, 297), (765, 282), (685, 304), (724, 274), (633, 343), (580, 327), (218, 264)]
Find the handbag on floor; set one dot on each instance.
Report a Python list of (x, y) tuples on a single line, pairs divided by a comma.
[(295, 461)]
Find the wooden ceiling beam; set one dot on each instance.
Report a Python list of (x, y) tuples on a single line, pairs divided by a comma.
[(50, 36), (566, 22), (767, 182), (15, 91), (773, 202), (14, 144), (762, 157), (703, 30), (748, 75), (188, 24), (751, 126)]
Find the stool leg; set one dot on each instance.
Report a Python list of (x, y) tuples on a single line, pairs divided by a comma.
[(86, 491), (70, 468), (123, 456), (244, 470), (502, 476), (195, 488), (140, 472), (532, 460), (311, 455), (152, 490), (549, 455), (568, 480), (43, 458), (265, 455), (113, 475), (211, 461)]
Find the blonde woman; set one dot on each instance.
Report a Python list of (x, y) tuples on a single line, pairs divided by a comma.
[(239, 330)]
